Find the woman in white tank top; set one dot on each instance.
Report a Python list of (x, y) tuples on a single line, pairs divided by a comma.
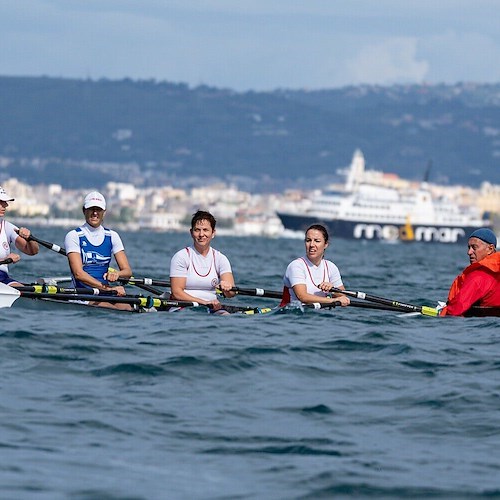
[(9, 233), (196, 271), (308, 279)]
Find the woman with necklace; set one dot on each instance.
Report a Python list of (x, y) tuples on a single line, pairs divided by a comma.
[(196, 271), (308, 279)]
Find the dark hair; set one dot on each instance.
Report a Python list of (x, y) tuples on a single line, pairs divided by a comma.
[(203, 215), (320, 228)]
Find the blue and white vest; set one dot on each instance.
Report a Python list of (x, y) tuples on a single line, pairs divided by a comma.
[(95, 259)]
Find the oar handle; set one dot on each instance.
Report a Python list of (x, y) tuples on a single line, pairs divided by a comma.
[(144, 281), (131, 281), (6, 261), (321, 305)]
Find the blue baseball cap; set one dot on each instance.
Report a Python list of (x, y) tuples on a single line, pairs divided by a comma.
[(486, 235)]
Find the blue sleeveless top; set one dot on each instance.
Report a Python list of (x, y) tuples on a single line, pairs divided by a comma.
[(95, 259)]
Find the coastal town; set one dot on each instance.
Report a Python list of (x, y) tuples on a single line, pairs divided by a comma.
[(168, 209)]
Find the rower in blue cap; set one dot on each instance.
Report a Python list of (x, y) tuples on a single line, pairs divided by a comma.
[(477, 290)]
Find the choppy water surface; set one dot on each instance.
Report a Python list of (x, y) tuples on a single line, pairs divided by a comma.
[(300, 405)]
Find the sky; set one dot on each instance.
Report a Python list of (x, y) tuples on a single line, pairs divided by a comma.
[(259, 45)]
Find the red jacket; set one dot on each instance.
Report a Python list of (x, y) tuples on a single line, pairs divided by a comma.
[(478, 285)]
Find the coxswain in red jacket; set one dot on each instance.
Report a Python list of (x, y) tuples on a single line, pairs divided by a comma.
[(479, 283)]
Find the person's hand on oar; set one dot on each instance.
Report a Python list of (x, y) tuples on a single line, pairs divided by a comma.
[(12, 258), (112, 276), (25, 243), (11, 234), (47, 244)]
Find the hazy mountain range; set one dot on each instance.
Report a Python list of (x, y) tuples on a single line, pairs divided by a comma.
[(84, 133)]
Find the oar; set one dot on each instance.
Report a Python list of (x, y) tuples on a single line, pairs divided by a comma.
[(152, 281), (6, 261), (255, 292), (273, 294), (53, 280), (10, 294), (225, 307), (362, 305), (144, 281), (401, 306), (258, 292), (380, 307), (245, 309), (146, 287), (54, 289), (62, 251), (47, 244)]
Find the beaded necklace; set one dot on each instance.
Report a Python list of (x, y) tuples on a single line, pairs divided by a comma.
[(194, 267)]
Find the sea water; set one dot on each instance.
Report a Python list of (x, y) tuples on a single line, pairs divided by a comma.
[(315, 404)]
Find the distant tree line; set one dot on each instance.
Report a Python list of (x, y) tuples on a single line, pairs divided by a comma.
[(172, 132)]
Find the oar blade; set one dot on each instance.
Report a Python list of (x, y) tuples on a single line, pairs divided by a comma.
[(8, 295)]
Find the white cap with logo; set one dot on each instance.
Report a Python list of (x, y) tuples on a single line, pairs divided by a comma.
[(4, 196), (94, 199)]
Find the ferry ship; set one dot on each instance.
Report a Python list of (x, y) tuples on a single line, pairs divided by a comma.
[(365, 210)]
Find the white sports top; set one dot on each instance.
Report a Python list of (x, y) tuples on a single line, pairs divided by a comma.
[(7, 236), (202, 273), (303, 271), (95, 235)]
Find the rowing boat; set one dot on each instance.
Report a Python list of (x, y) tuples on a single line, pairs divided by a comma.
[(141, 303), (50, 297), (53, 294)]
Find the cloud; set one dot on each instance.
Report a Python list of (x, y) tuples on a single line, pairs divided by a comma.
[(468, 56), (253, 44), (387, 62)]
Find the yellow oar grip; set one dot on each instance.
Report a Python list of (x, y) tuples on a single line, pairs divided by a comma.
[(430, 311)]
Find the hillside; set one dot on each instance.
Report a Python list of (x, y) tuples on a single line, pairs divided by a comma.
[(150, 132)]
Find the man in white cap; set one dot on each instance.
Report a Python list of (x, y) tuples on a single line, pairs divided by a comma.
[(479, 283), (90, 249), (10, 233)]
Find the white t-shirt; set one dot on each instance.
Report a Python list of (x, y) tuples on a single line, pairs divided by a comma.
[(303, 271), (7, 236), (202, 273), (95, 236)]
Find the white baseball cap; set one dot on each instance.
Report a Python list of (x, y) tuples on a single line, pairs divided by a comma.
[(4, 196), (94, 199)]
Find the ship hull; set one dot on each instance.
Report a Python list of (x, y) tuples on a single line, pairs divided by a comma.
[(359, 230)]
